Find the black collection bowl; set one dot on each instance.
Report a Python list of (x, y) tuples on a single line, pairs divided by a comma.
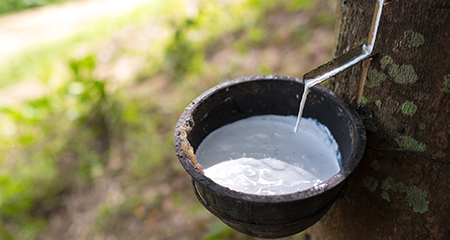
[(267, 216)]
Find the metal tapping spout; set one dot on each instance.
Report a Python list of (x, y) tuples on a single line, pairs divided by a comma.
[(343, 62)]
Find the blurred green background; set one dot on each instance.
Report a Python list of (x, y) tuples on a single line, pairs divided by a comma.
[(87, 116)]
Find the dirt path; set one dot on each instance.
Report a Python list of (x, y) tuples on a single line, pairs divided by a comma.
[(19, 31)]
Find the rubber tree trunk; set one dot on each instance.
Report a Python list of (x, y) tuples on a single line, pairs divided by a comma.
[(401, 189)]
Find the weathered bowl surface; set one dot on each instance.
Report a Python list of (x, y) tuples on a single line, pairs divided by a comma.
[(268, 216)]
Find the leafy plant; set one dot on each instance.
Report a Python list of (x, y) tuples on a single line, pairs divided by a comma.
[(76, 119)]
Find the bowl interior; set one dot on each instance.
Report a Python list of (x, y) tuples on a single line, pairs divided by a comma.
[(262, 95)]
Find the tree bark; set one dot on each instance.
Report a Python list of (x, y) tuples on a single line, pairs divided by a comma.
[(401, 188)]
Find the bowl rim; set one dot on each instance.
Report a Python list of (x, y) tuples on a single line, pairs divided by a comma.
[(197, 175)]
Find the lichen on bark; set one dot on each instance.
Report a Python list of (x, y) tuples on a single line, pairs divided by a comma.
[(375, 78), (403, 74), (371, 183), (415, 197), (413, 39), (409, 108), (375, 165), (409, 143), (446, 84), (385, 61)]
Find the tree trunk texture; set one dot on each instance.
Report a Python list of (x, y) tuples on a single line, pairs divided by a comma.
[(401, 188)]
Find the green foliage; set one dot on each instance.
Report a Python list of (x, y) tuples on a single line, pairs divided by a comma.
[(65, 138), (300, 4), (68, 137), (182, 54), (187, 49), (28, 186), (73, 118), (7, 6)]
